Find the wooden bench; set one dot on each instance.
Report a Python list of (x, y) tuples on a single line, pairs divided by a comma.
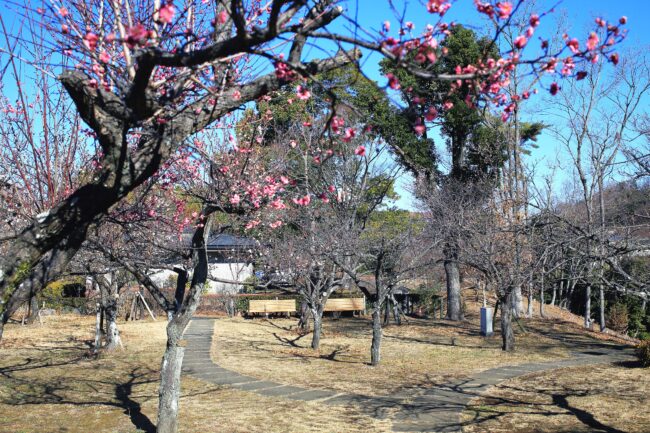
[(272, 306), (345, 304)]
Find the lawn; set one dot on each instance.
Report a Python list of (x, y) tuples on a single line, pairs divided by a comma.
[(48, 385), (415, 354), (608, 398)]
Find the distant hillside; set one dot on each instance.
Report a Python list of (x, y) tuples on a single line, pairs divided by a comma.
[(627, 204)]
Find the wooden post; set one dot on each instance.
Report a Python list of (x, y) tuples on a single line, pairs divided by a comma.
[(129, 315), (98, 328), (146, 305)]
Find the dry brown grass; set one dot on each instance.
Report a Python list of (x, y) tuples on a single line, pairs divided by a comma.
[(610, 398), (419, 353), (47, 385)]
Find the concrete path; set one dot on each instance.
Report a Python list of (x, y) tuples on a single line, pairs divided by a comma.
[(436, 408)]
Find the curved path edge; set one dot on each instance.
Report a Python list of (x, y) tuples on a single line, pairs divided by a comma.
[(437, 408)]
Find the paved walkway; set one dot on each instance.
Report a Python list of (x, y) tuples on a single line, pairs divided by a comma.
[(432, 409)]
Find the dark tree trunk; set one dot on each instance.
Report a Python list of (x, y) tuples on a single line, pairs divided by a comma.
[(387, 312), (396, 314), (452, 274), (375, 347), (317, 314), (569, 294), (601, 307), (305, 316), (507, 333), (32, 314), (588, 306), (542, 301)]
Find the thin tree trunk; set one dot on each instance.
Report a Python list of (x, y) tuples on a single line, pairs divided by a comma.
[(170, 370), (542, 301), (588, 306), (554, 293), (387, 312), (529, 312), (317, 314), (98, 328), (601, 306), (507, 333), (494, 315), (375, 347), (517, 302), (32, 315), (305, 314), (452, 273), (396, 313)]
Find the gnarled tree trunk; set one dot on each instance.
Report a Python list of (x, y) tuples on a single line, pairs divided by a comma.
[(305, 315), (113, 340), (317, 315), (109, 297), (170, 370), (375, 347), (452, 274), (170, 380)]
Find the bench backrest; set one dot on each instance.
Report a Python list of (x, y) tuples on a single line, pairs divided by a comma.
[(272, 306), (345, 304)]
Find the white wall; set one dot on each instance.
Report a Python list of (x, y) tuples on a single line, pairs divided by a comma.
[(224, 271), (228, 271)]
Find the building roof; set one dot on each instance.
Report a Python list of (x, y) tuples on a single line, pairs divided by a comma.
[(228, 242)]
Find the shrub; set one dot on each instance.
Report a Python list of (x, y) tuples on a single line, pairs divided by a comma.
[(643, 353), (57, 295), (429, 298), (618, 318)]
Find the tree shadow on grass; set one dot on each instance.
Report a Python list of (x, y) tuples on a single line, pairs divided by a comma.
[(61, 391), (585, 417), (517, 405), (131, 407)]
